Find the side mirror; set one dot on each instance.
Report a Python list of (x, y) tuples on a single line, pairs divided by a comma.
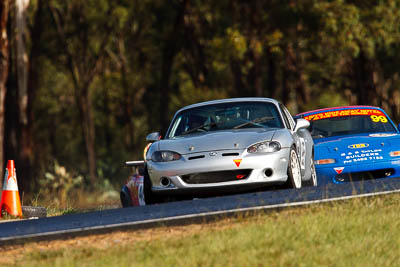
[(301, 124), (153, 137)]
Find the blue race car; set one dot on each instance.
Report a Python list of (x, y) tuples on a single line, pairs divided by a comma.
[(354, 143)]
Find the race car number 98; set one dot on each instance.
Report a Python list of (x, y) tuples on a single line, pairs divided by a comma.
[(375, 118)]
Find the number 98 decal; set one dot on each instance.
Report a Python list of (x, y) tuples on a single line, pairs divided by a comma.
[(376, 118)]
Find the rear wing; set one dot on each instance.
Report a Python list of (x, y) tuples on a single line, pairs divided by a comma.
[(134, 163), (137, 166)]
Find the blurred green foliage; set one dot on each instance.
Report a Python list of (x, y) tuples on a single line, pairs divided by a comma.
[(148, 58), (59, 184)]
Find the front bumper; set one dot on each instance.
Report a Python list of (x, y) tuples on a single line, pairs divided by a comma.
[(189, 174), (357, 172)]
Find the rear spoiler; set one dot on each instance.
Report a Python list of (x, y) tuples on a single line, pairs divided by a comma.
[(137, 166), (134, 163)]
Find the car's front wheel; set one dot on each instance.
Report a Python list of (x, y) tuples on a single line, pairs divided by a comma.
[(293, 172), (149, 196)]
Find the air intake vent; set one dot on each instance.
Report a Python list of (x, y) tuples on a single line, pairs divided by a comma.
[(230, 154), (368, 175), (196, 157), (216, 177)]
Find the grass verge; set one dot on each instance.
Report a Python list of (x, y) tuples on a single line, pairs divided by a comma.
[(79, 201), (358, 232)]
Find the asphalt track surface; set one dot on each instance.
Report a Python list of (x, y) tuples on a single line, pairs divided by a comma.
[(185, 212)]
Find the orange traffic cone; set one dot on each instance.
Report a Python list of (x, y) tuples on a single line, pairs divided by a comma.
[(10, 201)]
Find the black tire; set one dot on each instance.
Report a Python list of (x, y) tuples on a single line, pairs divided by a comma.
[(149, 197), (294, 172), (33, 212), (125, 197)]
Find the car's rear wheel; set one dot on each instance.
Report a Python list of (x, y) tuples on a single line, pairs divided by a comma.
[(125, 197), (293, 172)]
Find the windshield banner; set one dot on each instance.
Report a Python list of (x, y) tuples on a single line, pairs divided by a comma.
[(345, 112)]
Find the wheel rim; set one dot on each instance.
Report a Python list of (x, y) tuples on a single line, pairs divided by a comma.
[(295, 169), (313, 173)]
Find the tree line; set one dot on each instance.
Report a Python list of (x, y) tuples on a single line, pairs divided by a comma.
[(83, 82)]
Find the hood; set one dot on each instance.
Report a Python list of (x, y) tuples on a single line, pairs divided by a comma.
[(361, 148), (212, 141)]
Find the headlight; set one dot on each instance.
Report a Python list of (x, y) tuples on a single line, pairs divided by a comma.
[(264, 147), (162, 156), (324, 161), (395, 153)]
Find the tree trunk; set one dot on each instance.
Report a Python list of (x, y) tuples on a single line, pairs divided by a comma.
[(4, 7), (238, 84), (33, 85), (88, 130), (169, 52), (254, 78), (394, 103), (364, 82), (83, 67), (287, 77), (271, 83), (22, 59), (25, 142), (127, 100)]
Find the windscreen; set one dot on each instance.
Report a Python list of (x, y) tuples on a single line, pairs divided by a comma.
[(225, 116), (346, 122)]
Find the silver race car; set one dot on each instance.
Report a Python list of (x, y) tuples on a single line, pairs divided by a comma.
[(227, 146)]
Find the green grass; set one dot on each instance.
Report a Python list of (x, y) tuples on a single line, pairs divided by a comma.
[(360, 232)]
